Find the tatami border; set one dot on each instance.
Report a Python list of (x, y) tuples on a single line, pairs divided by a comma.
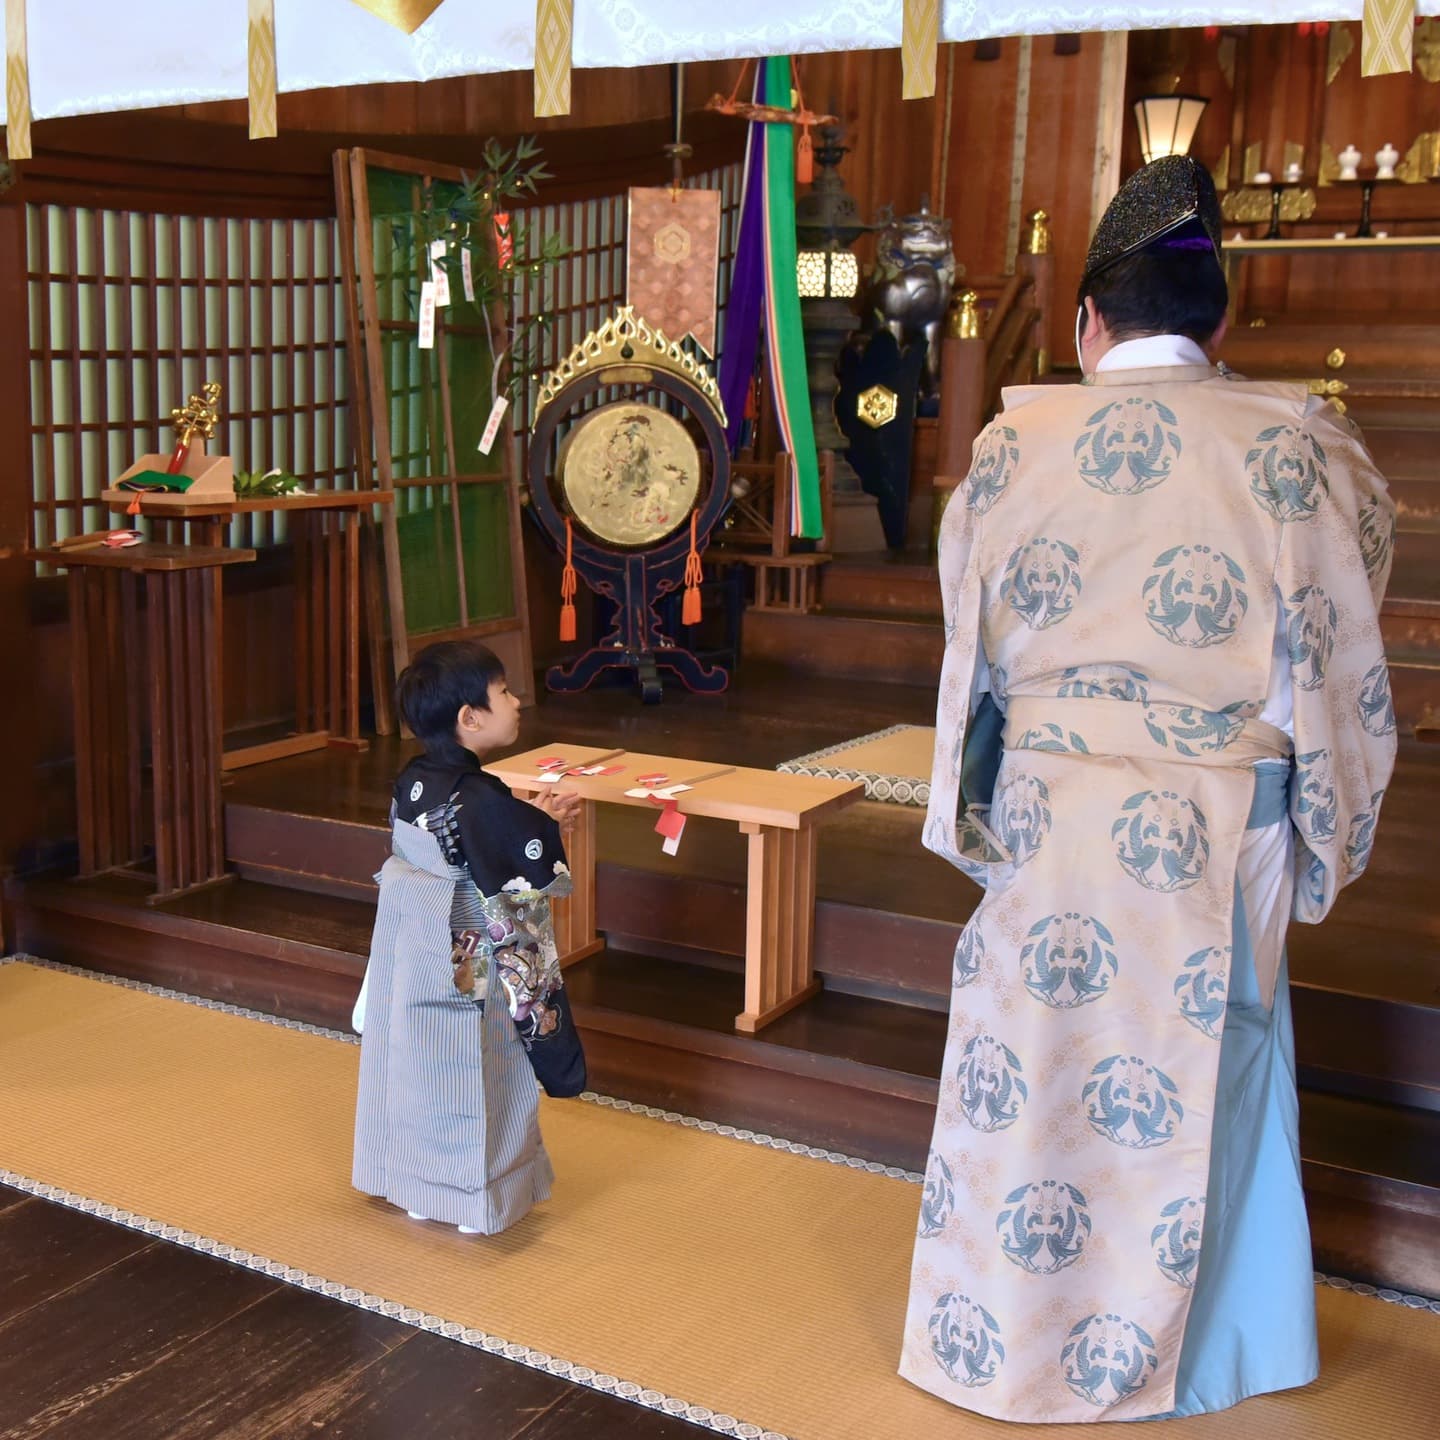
[(886, 789)]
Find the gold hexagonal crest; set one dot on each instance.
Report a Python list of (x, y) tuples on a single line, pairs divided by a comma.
[(877, 406), (672, 243)]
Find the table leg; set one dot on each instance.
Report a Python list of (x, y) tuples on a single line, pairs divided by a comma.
[(343, 633), (105, 761), (575, 935), (184, 732), (87, 753), (779, 924), (162, 744)]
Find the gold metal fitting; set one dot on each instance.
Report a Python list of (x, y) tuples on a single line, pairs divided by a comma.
[(963, 321), (1037, 241), (1335, 360)]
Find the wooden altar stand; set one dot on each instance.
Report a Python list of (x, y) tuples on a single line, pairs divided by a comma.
[(779, 813), (114, 694), (325, 532)]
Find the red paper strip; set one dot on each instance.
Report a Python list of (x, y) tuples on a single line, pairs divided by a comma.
[(671, 822)]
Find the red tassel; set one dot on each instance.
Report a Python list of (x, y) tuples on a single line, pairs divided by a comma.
[(133, 508), (690, 609), (567, 587), (805, 159)]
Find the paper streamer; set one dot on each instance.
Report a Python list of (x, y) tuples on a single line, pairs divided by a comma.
[(554, 29), (919, 45), (1387, 37), (262, 69), (17, 82)]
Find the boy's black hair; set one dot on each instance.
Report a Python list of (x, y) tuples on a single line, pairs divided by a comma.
[(1162, 290), (440, 681)]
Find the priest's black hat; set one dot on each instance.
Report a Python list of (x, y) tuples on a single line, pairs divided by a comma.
[(1171, 200)]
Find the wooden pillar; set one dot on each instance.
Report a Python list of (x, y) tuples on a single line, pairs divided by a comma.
[(962, 397)]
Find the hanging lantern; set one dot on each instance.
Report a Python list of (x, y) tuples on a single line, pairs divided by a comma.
[(828, 274), (1167, 123)]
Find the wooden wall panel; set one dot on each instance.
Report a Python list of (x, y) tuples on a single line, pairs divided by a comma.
[(1279, 96), (1059, 168), (892, 140), (982, 116), (22, 722)]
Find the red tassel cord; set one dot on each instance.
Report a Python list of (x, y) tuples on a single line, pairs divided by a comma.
[(567, 587), (690, 608), (805, 159)]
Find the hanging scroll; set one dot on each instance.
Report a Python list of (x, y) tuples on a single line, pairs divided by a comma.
[(673, 260)]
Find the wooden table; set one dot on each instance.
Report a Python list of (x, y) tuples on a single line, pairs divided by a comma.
[(114, 693), (325, 532), (778, 812)]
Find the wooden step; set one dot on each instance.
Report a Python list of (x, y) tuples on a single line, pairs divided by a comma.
[(848, 646), (1417, 504), (844, 1072), (1366, 983), (1408, 453), (860, 1076), (881, 585), (279, 950)]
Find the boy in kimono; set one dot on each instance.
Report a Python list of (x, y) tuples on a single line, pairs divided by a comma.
[(1161, 590), (462, 1004)]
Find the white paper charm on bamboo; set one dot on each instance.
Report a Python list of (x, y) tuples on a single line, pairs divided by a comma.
[(492, 425)]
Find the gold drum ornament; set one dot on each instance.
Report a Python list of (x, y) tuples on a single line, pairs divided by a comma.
[(630, 474)]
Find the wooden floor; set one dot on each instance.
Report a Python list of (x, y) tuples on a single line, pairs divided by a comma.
[(108, 1334)]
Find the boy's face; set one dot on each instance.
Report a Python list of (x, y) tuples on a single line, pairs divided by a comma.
[(481, 731)]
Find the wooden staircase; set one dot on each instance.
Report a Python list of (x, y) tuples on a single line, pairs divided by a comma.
[(879, 615), (857, 1068)]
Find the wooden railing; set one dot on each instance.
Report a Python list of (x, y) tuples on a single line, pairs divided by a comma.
[(758, 522), (996, 335), (756, 532)]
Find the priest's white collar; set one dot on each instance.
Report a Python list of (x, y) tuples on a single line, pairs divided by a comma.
[(1152, 352)]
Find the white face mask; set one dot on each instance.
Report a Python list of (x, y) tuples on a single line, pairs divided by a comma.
[(1079, 353)]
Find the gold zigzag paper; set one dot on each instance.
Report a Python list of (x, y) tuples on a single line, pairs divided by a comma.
[(1387, 37), (554, 25), (262, 70), (17, 82), (406, 15), (919, 42)]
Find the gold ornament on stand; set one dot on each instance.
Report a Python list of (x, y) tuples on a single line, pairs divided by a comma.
[(198, 416), (187, 474)]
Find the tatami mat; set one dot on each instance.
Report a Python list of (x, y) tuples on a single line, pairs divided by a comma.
[(753, 1285)]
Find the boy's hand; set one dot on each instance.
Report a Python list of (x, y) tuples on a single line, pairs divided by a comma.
[(562, 806)]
